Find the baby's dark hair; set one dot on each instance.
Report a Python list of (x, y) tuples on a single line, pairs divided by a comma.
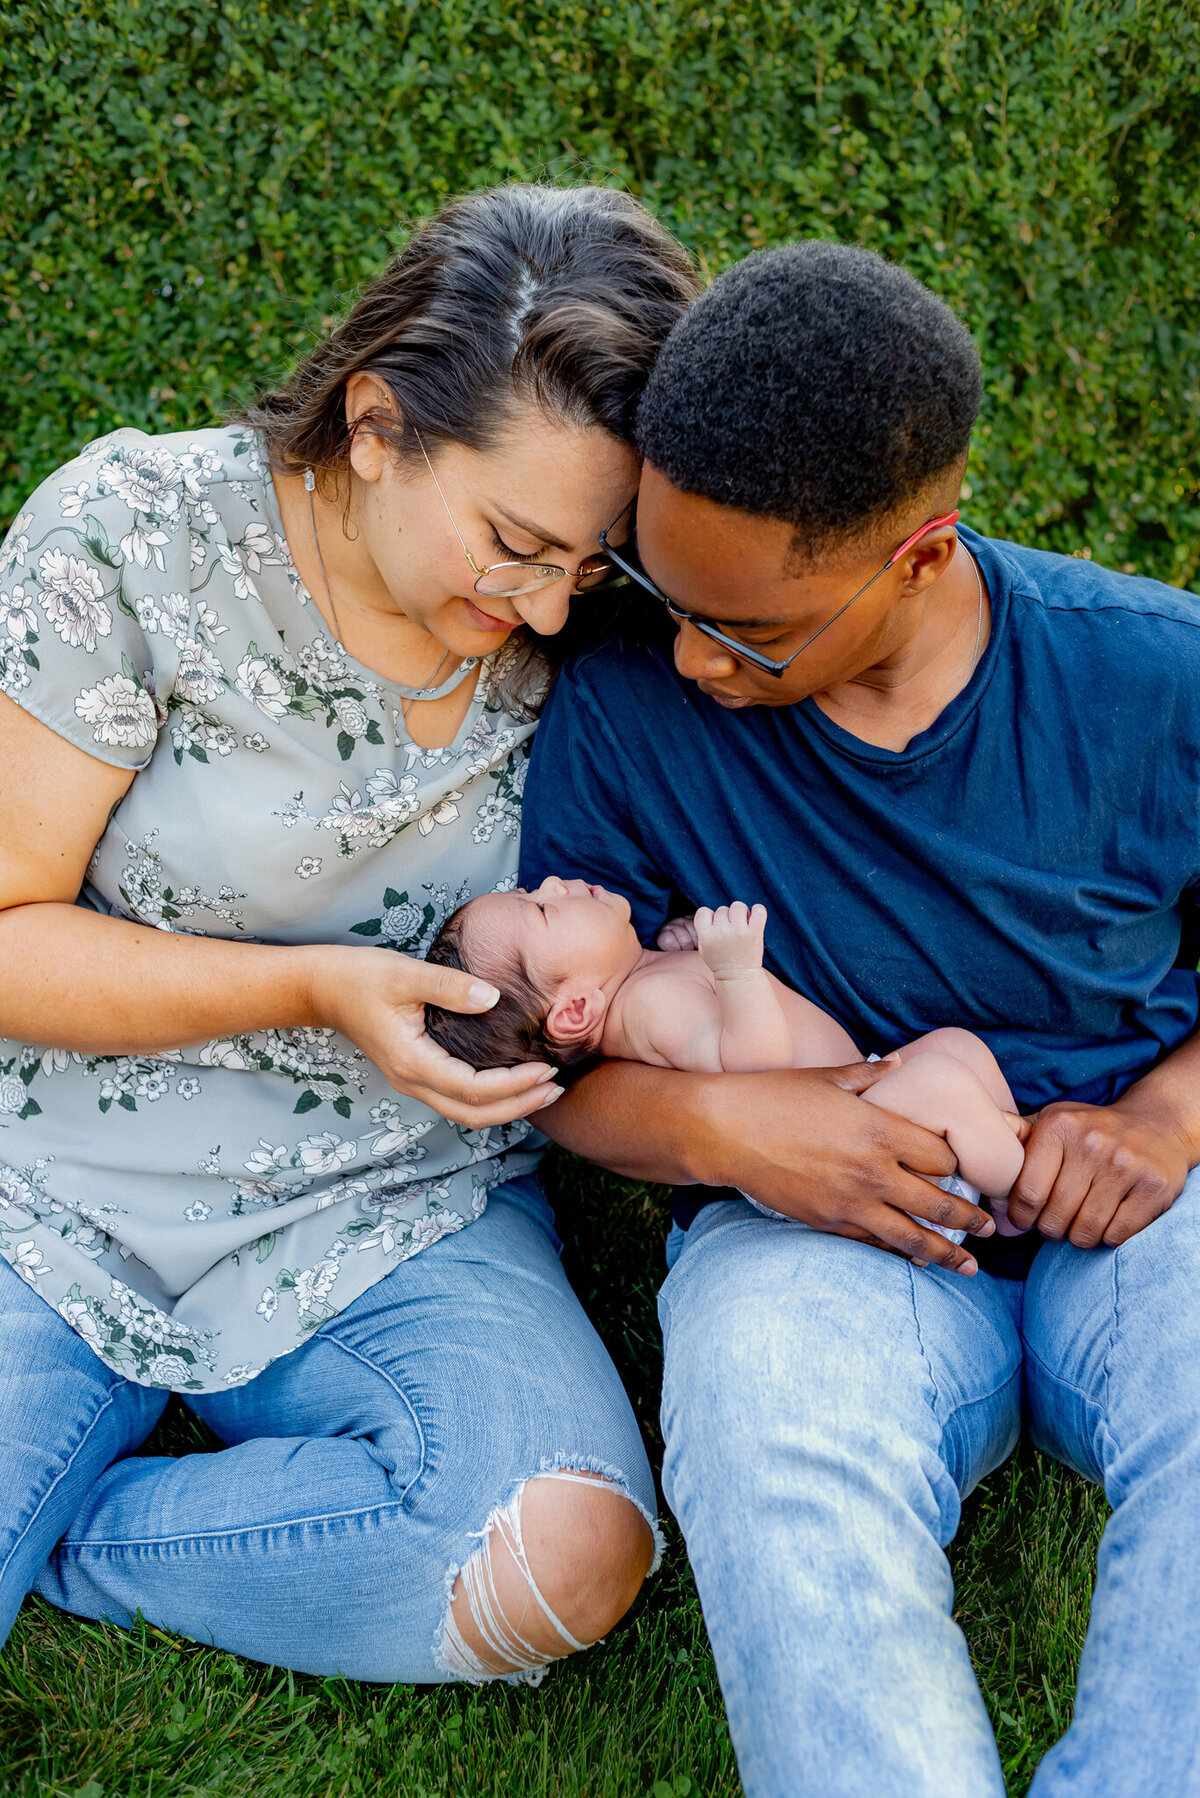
[(513, 1031), (816, 384)]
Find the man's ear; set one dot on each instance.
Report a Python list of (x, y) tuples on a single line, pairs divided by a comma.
[(575, 1017), (368, 452)]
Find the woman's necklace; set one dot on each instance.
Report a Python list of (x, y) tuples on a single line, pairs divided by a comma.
[(409, 695)]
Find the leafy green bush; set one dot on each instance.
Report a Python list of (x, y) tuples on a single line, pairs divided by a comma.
[(193, 187)]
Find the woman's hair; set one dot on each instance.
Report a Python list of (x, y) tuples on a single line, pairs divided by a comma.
[(560, 296), (557, 296), (513, 1031)]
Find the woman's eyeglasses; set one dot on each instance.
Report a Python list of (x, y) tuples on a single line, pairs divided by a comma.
[(626, 558), (507, 580)]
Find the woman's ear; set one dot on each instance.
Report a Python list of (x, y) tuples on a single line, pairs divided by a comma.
[(368, 452), (575, 1017)]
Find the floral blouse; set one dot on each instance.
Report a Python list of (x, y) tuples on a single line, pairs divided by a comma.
[(194, 1214)]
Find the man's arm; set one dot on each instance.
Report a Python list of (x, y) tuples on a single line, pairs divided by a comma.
[(800, 1140), (1100, 1173)]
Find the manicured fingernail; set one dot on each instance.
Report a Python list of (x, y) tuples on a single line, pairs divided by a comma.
[(484, 994), (549, 1074), (556, 1092)]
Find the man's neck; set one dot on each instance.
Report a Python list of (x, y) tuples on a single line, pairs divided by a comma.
[(930, 658)]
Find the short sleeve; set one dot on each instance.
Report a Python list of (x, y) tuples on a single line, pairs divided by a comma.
[(95, 598), (577, 821)]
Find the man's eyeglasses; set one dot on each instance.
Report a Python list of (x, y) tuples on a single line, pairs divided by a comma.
[(626, 558), (507, 580)]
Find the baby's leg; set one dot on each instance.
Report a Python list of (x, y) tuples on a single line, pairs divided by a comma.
[(974, 1053), (942, 1094)]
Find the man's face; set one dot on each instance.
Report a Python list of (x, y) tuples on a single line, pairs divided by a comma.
[(734, 570)]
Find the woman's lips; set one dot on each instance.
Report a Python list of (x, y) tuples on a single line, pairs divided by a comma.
[(484, 621)]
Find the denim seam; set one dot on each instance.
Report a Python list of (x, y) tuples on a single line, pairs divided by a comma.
[(925, 1357), (228, 1535), (364, 1361), (56, 1481), (1106, 1418)]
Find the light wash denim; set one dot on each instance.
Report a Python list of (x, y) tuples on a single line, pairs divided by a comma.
[(361, 1470), (827, 1407)]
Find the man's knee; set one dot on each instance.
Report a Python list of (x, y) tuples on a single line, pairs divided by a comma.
[(558, 1567)]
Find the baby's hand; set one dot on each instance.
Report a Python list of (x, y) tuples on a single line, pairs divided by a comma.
[(731, 939)]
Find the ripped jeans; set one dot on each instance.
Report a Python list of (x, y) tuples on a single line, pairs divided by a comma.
[(363, 1471)]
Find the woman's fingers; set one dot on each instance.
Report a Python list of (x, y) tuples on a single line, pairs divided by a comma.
[(428, 984)]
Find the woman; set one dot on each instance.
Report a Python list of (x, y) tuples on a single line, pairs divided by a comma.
[(265, 705)]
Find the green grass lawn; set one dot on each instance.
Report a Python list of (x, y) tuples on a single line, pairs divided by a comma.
[(92, 1712)]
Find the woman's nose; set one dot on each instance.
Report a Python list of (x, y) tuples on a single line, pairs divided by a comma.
[(697, 657), (545, 611)]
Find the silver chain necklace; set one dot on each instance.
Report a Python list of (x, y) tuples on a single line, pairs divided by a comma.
[(409, 695)]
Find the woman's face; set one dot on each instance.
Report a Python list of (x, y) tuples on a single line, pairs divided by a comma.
[(543, 493)]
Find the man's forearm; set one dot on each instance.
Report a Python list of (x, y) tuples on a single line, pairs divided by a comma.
[(643, 1122), (1169, 1096)]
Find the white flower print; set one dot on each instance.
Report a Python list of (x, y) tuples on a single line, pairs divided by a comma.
[(223, 1054), (351, 714), (13, 1093), (168, 1370), (321, 663), (322, 1154), (258, 547), (14, 670), (148, 480), (29, 1262), (197, 550), (175, 616), (16, 544), (200, 673), (198, 465), (316, 1283), (444, 812), (72, 500), (78, 1314), (268, 1304), (432, 1227), (267, 1159), (144, 546), (198, 1212), (241, 1372), (394, 1135), (400, 922), (231, 562), (255, 741), (259, 683), (188, 1087), (208, 625), (72, 599), (120, 712), (17, 614), (310, 865)]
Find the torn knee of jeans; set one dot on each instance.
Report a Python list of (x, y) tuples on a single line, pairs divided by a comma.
[(511, 1656)]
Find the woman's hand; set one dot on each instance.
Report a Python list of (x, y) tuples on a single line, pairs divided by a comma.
[(378, 998), (1098, 1173)]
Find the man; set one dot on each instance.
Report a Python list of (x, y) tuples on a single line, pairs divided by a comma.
[(964, 777)]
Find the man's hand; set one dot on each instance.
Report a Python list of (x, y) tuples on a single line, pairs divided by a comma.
[(1098, 1173), (802, 1142), (731, 938), (678, 933)]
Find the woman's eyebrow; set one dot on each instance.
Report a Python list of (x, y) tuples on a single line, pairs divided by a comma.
[(533, 530)]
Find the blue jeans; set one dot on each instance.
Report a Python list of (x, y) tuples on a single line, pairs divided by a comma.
[(361, 1469), (827, 1407)]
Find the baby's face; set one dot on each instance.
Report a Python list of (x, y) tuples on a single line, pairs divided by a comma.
[(562, 930)]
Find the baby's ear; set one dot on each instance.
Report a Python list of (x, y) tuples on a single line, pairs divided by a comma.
[(575, 1016)]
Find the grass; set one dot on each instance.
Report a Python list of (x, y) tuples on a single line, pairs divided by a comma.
[(92, 1712)]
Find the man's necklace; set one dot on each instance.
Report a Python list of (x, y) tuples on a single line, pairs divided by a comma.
[(978, 614), (409, 695)]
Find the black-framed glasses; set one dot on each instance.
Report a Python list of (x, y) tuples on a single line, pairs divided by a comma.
[(508, 580), (626, 557)]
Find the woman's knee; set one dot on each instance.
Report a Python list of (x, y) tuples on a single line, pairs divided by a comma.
[(559, 1565)]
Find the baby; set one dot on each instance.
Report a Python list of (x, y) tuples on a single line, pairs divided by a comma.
[(575, 983)]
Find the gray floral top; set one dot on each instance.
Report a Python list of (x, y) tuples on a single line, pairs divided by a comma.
[(195, 1214)]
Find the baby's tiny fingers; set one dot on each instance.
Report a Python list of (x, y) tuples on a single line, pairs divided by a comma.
[(758, 917)]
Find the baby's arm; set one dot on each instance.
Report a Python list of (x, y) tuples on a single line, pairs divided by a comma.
[(755, 1035)]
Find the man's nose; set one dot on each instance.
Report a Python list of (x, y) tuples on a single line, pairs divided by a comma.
[(697, 657)]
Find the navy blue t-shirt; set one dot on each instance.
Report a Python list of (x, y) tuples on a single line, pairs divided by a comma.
[(1026, 868)]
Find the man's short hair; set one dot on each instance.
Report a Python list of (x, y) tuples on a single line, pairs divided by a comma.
[(817, 384)]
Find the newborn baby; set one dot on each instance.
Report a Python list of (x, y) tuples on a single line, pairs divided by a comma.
[(575, 983)]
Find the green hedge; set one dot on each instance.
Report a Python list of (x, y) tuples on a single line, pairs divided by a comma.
[(193, 187)]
